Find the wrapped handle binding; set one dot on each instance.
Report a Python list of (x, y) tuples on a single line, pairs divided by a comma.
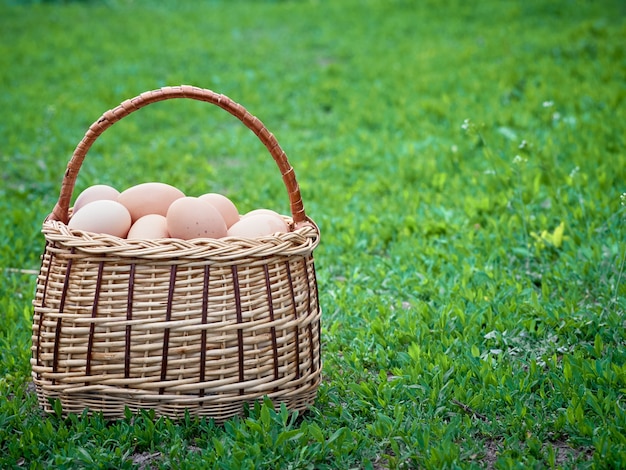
[(61, 209)]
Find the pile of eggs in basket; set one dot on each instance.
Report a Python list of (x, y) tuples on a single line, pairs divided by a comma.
[(158, 210)]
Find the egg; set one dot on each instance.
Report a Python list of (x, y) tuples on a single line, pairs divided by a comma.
[(226, 207), (256, 225), (97, 192), (104, 216), (149, 198), (149, 227), (192, 217), (262, 211)]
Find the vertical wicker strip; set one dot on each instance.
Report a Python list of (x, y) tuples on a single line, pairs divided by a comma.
[(205, 303), (201, 326), (270, 306), (94, 313)]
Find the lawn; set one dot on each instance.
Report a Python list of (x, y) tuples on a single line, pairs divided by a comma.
[(466, 165)]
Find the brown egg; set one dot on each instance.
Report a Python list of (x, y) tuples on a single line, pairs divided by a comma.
[(97, 192), (192, 217), (103, 216), (226, 207), (258, 225), (149, 227), (149, 198)]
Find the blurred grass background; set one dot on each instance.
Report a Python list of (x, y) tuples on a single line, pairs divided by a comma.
[(439, 146)]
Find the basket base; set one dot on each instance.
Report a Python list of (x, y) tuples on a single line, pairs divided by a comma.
[(112, 403)]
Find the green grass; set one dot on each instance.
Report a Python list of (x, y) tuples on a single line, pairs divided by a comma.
[(441, 147)]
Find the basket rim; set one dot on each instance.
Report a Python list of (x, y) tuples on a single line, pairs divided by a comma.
[(301, 241)]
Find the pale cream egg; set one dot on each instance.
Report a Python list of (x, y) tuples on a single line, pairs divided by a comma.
[(104, 216), (192, 217), (97, 192), (149, 198), (149, 227), (262, 211), (259, 224)]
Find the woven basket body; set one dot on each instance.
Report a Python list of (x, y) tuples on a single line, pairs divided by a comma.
[(171, 325)]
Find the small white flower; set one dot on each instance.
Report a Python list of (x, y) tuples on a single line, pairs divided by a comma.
[(523, 144), (556, 116), (623, 198), (491, 335), (548, 104), (518, 159), (489, 172), (574, 171), (466, 125), (454, 149)]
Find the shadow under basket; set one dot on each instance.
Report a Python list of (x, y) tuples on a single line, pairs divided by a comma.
[(203, 325)]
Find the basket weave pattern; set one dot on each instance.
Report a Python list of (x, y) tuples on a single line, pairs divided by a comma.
[(172, 325)]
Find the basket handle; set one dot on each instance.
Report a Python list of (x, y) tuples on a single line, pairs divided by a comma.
[(61, 209)]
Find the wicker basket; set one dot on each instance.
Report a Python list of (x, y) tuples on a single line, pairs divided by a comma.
[(203, 325)]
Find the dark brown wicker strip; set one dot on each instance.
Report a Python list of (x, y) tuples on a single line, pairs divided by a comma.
[(94, 313), (57, 333), (129, 316), (270, 305), (205, 308), (166, 331), (305, 267), (239, 322)]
